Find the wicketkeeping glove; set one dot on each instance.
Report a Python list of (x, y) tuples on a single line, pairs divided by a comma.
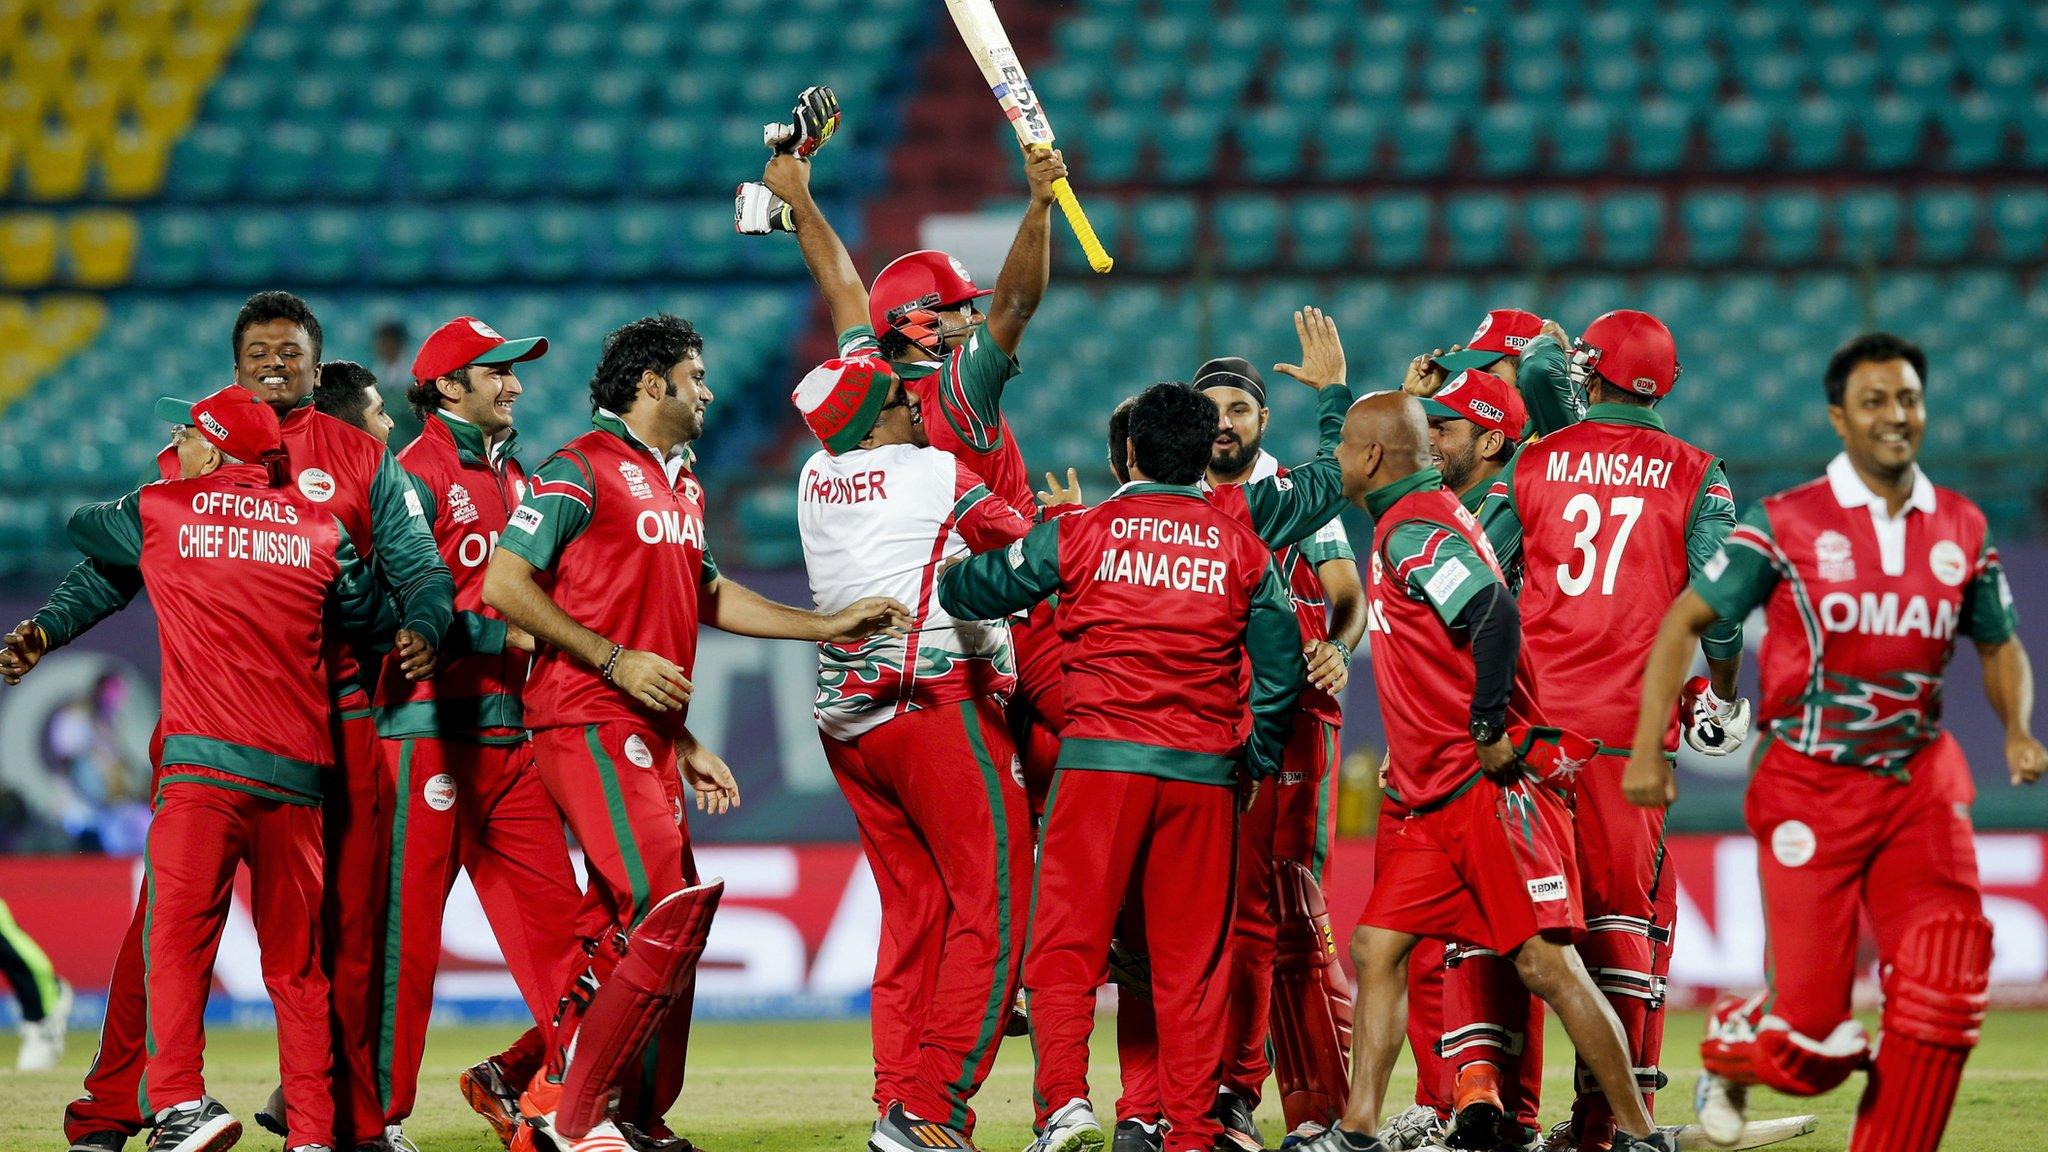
[(1713, 726), (816, 117), (756, 211)]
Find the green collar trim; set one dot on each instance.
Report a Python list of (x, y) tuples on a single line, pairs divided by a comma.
[(1626, 414), (469, 440), (1379, 501), (1154, 488)]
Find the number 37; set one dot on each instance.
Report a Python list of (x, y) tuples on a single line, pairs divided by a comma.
[(1583, 510)]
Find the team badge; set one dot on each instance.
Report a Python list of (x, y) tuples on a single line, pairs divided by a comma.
[(484, 330), (1793, 843), (690, 490), (636, 480), (1478, 334), (439, 792), (638, 752), (317, 485), (1950, 566), (461, 508), (1833, 559), (959, 269)]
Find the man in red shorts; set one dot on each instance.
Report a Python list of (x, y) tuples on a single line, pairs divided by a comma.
[(1858, 799), (1485, 855)]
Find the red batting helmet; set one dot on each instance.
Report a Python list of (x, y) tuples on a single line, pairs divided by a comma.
[(1629, 349), (915, 286)]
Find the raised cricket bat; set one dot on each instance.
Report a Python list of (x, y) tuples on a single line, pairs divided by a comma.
[(983, 32)]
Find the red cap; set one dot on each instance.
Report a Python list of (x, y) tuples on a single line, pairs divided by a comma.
[(467, 340), (1504, 332), (1484, 399), (232, 420), (923, 281), (1630, 349), (841, 399)]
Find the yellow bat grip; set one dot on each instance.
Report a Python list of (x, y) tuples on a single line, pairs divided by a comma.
[(1098, 257)]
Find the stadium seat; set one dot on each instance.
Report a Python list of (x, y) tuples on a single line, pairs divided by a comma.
[(1164, 231), (2019, 222), (131, 165), (102, 246), (1454, 82), (173, 249), (1973, 128), (1324, 231), (1555, 225), (1249, 231), (1270, 144), (440, 159), (1692, 80), (1817, 134), (1944, 224), (1715, 222), (518, 159), (28, 249), (1925, 76), (326, 251), (1659, 134), (1631, 227), (668, 155), (253, 251), (205, 163), (553, 242), (634, 244), (1867, 225), (1422, 139), (1348, 146), (1504, 140), (1306, 83), (1851, 77), (1581, 140), (289, 164), (1476, 229), (1738, 135), (1791, 227), (1771, 79), (405, 244), (1398, 225), (1892, 132)]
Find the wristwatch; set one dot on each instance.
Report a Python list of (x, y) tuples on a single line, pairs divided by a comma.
[(1485, 732)]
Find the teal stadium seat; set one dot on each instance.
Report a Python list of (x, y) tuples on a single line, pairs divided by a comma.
[(1398, 227), (1739, 135), (542, 97), (1555, 225), (1504, 140), (1944, 224), (1791, 227), (173, 249), (1534, 77), (1831, 29), (1379, 83), (1817, 134), (1216, 89), (440, 159), (1454, 82), (1272, 144), (478, 248), (1163, 230), (1926, 76), (359, 161), (1974, 128), (388, 98), (289, 166), (1892, 132), (253, 249), (1113, 147), (205, 164), (1715, 222), (668, 155), (635, 242), (1631, 227), (1422, 140), (2033, 123), (1851, 77), (1659, 134), (326, 248), (1867, 224), (1325, 228), (405, 243), (2019, 222), (1249, 232), (1162, 38), (1581, 140), (710, 248), (553, 243), (1977, 30), (1692, 80), (1476, 229), (518, 158), (2009, 78), (1347, 147), (1772, 79), (590, 158), (1308, 83), (1908, 23)]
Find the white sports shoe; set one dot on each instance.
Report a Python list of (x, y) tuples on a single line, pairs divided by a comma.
[(1073, 1128), (1412, 1128), (1720, 1105), (42, 1041)]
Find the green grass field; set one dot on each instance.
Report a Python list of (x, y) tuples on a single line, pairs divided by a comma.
[(790, 1086)]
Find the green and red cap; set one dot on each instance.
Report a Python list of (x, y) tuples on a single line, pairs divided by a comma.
[(842, 398), (467, 340), (1484, 399), (1504, 332), (232, 420)]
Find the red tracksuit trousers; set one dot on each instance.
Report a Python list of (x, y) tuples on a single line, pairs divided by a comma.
[(616, 784), (1172, 845), (459, 804), (201, 831), (947, 833), (351, 916)]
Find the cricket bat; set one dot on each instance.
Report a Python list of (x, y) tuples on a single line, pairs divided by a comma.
[(983, 32)]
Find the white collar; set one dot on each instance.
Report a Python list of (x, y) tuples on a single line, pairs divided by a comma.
[(1851, 492), (672, 464), (1265, 467)]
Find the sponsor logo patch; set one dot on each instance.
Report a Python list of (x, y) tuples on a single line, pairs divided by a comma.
[(1793, 843), (1950, 566), (318, 487), (526, 520), (637, 751), (439, 792), (1449, 576), (1547, 889), (1015, 554), (1715, 565), (484, 330)]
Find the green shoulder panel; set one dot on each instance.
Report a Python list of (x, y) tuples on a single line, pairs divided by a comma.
[(110, 533), (1741, 573), (1989, 615), (1713, 517), (1437, 566), (556, 510), (1007, 580)]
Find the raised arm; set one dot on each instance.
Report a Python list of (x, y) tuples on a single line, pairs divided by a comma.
[(110, 533), (1028, 268), (839, 282)]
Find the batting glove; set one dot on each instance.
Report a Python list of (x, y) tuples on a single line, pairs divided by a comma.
[(756, 211), (817, 117), (1713, 726)]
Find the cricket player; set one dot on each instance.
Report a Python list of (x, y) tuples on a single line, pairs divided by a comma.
[(1172, 617), (921, 316), (605, 564), (240, 567), (458, 766), (1485, 853), (1616, 514), (276, 343), (348, 392), (1483, 1029), (44, 996), (1291, 819), (911, 725), (1311, 997), (1859, 801)]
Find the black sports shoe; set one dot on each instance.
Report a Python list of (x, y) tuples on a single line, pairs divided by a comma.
[(199, 1126), (899, 1131), (1662, 1140), (1132, 1136), (271, 1117), (645, 1141), (1235, 1114), (107, 1141)]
